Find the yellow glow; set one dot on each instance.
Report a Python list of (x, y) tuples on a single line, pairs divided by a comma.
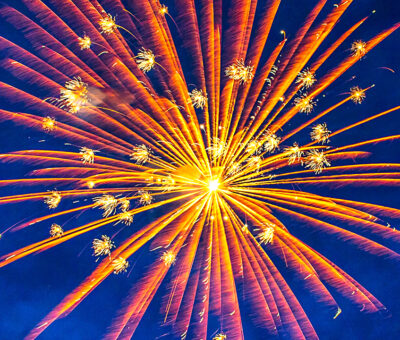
[(213, 185)]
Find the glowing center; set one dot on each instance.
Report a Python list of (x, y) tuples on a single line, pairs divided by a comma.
[(213, 185)]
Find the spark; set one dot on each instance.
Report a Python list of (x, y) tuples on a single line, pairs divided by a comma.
[(84, 42), (271, 142), (119, 265), (144, 197), (359, 48), (145, 59), (306, 78), (239, 71), (53, 200), (304, 103), (219, 336), (316, 160), (87, 155), (198, 99), (163, 10), (103, 246), (90, 184), (56, 230), (108, 203), (337, 313), (74, 95), (48, 124), (320, 133), (357, 95), (140, 154), (168, 258), (107, 24)]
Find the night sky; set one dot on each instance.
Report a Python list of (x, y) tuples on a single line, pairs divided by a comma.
[(32, 286)]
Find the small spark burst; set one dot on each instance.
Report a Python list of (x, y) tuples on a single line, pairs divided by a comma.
[(124, 204), (168, 183), (48, 124), (140, 154), (163, 10), (53, 200), (357, 95), (168, 257), (84, 42), (306, 78), (295, 153), (145, 59), (198, 99), (107, 24), (234, 169), (217, 148), (106, 202), (239, 71), (254, 163), (304, 103), (144, 197), (266, 235), (254, 147), (271, 142), (317, 161), (103, 246), (320, 133), (74, 95), (87, 155), (56, 230), (90, 184), (359, 48), (119, 265), (126, 217), (245, 229), (219, 336)]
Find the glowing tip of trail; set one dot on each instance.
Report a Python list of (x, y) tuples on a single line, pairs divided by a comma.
[(213, 185)]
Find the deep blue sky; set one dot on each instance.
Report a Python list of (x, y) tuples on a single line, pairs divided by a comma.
[(31, 287)]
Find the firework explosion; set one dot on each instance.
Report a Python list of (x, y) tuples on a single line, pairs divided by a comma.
[(217, 158)]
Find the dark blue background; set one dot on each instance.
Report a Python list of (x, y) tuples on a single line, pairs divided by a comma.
[(31, 287)]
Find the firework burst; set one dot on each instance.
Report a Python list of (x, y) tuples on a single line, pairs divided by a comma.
[(223, 180)]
